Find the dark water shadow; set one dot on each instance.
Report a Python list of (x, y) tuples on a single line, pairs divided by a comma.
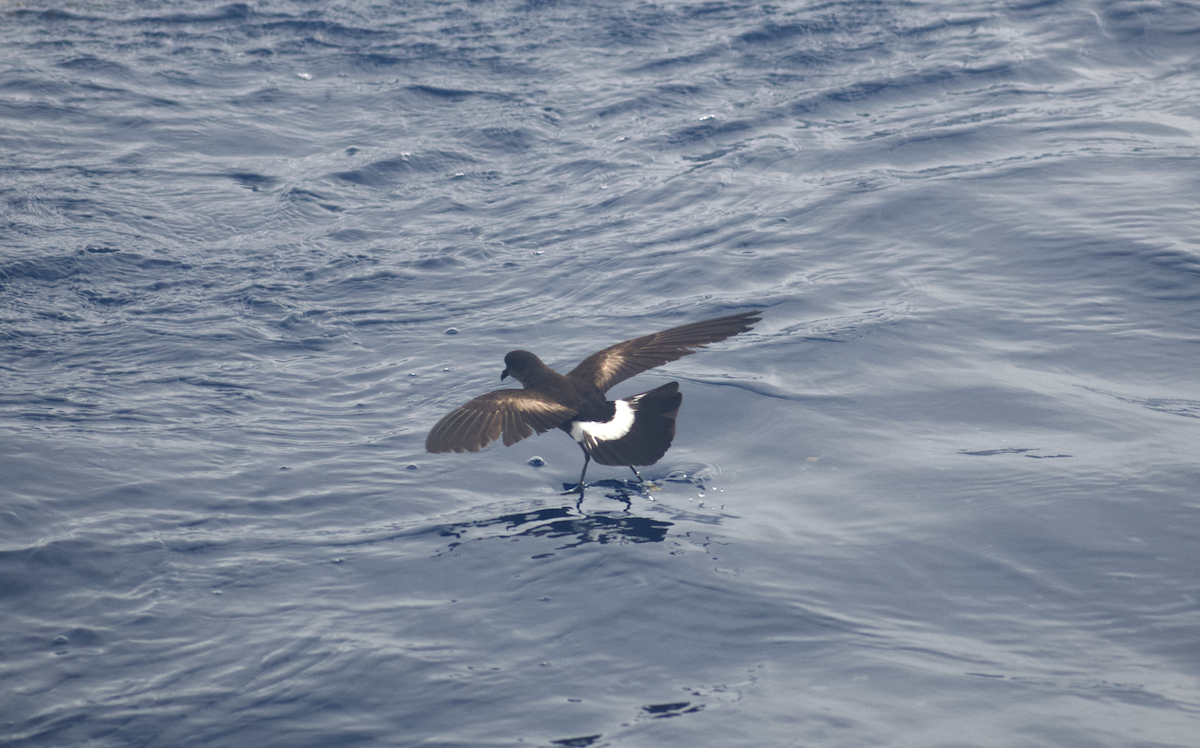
[(651, 711), (569, 523), (606, 515), (1009, 451)]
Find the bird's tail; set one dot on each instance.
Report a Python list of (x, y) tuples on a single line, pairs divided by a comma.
[(650, 435)]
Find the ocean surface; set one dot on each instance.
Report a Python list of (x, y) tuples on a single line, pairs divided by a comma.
[(946, 493)]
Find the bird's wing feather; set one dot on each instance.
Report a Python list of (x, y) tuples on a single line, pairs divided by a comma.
[(623, 360), (513, 414)]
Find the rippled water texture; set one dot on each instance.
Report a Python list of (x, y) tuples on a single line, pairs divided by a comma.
[(944, 494)]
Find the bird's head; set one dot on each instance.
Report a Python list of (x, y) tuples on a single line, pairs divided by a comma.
[(519, 365)]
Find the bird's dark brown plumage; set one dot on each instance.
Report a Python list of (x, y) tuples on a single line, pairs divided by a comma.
[(617, 363), (515, 414), (576, 403)]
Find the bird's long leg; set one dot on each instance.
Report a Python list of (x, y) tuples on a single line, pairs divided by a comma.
[(586, 459), (639, 475)]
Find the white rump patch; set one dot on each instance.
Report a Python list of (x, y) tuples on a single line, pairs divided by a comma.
[(604, 431)]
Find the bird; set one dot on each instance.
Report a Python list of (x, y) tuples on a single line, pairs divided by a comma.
[(635, 430)]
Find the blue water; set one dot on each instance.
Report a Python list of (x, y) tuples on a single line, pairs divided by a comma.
[(946, 493)]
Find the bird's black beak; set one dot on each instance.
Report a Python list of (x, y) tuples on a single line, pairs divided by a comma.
[(503, 374)]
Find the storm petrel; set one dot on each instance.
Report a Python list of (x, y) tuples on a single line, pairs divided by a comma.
[(634, 430)]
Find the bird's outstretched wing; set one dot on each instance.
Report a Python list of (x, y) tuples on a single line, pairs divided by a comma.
[(515, 414), (623, 360)]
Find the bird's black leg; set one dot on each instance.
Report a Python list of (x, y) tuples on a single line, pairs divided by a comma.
[(639, 475), (586, 459)]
